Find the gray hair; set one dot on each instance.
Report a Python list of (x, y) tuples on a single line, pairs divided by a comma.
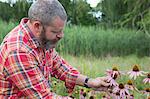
[(46, 10)]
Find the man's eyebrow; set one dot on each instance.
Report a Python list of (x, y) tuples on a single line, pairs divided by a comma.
[(56, 31)]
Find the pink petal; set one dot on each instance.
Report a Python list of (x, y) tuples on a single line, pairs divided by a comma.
[(127, 91), (135, 75), (141, 73), (122, 93), (129, 72)]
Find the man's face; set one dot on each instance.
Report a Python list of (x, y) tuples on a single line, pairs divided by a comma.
[(50, 35)]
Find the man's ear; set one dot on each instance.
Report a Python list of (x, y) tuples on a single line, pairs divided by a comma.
[(37, 26)]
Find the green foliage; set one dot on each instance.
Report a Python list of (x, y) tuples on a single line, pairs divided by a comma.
[(133, 14), (14, 12), (99, 42), (136, 14), (82, 15), (78, 12), (20, 9), (68, 5), (5, 11), (5, 28)]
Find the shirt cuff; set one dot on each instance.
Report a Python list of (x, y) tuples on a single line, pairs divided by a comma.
[(70, 80)]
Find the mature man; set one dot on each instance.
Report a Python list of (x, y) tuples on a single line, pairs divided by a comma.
[(28, 58)]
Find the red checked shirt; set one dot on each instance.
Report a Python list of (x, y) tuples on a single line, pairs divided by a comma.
[(25, 68)]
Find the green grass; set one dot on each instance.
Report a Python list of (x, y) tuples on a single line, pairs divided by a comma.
[(96, 41), (96, 67), (5, 28)]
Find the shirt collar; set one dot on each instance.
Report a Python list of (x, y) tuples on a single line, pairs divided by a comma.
[(29, 38)]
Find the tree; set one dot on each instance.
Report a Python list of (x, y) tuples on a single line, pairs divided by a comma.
[(20, 9), (78, 12), (133, 14), (138, 15), (5, 11), (83, 15)]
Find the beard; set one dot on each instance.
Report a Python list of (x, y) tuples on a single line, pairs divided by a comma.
[(45, 43)]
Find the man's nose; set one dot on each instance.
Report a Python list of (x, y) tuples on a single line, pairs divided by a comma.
[(60, 35)]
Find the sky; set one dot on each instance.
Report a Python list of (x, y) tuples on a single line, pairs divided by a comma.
[(93, 3)]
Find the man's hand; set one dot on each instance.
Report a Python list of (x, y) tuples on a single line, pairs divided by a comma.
[(98, 83)]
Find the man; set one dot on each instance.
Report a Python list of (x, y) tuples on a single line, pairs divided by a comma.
[(28, 58)]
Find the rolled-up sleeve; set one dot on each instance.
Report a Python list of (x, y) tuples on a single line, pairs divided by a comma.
[(65, 72), (21, 69)]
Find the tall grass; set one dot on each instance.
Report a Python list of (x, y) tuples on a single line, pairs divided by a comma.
[(92, 41), (100, 42)]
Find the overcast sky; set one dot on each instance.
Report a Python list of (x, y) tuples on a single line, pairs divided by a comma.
[(93, 3)]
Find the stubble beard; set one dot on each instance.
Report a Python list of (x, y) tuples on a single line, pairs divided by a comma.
[(45, 43)]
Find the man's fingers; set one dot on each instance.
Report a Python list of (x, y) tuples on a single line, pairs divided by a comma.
[(104, 78), (105, 84)]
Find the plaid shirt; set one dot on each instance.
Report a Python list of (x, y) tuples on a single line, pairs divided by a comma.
[(26, 68)]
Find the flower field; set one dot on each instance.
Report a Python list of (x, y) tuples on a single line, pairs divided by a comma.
[(130, 81)]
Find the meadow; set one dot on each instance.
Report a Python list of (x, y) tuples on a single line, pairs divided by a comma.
[(96, 67), (93, 50)]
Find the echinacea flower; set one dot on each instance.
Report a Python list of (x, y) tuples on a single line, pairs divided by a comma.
[(91, 97), (130, 96), (146, 91), (106, 97), (129, 85), (111, 80), (135, 72), (115, 95), (72, 97), (113, 72), (121, 91), (82, 94), (91, 93), (76, 92), (147, 80)]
